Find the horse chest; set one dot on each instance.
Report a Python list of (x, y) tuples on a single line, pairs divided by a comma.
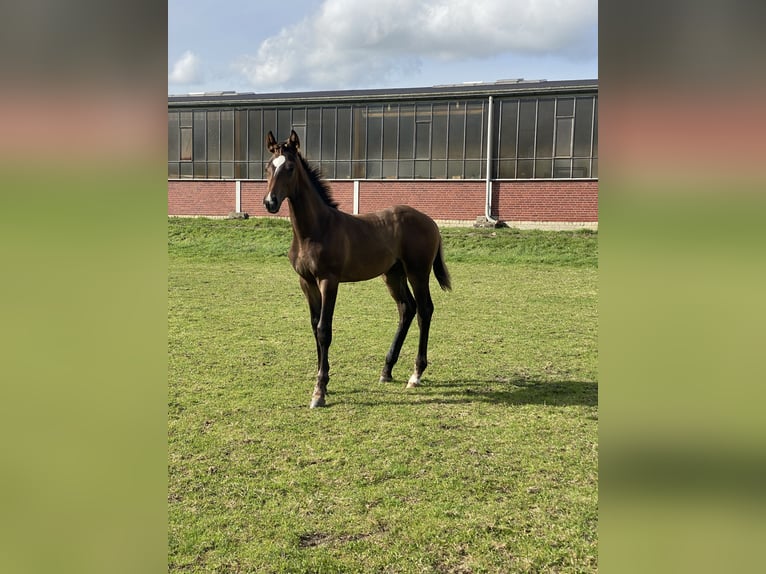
[(306, 258)]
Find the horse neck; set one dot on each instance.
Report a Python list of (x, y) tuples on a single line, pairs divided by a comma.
[(309, 213)]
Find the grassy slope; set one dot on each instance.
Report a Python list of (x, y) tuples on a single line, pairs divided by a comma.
[(491, 465)]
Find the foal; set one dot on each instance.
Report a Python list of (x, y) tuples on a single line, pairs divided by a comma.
[(330, 247)]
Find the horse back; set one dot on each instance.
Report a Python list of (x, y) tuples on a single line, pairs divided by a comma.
[(412, 235)]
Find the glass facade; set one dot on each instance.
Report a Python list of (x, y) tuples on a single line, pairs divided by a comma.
[(551, 137)]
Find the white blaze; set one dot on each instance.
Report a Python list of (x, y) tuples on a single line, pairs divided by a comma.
[(277, 163)]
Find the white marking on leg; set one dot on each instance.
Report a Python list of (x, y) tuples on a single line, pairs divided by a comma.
[(414, 381)]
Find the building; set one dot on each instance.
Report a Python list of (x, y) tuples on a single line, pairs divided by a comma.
[(522, 152)]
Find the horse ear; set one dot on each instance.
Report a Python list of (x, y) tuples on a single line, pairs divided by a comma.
[(294, 141), (271, 143)]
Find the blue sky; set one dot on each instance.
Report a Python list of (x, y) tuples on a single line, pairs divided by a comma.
[(259, 46)]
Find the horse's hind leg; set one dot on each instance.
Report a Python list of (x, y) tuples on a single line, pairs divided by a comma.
[(396, 281), (425, 309)]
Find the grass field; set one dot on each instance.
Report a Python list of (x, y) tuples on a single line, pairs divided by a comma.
[(489, 466)]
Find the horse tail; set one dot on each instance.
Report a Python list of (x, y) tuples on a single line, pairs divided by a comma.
[(440, 270)]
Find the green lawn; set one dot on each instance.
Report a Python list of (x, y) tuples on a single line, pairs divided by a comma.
[(489, 466)]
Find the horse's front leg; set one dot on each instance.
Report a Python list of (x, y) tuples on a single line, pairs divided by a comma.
[(328, 289)]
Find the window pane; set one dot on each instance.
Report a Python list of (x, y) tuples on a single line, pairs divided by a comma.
[(389, 169), (269, 125), (422, 140), (255, 170), (374, 135), (473, 169), (358, 169), (544, 145), (344, 134), (507, 169), (406, 169), (527, 129), (213, 170), (373, 170), (562, 168), (456, 131), (186, 170), (255, 138), (474, 136), (509, 113), (359, 138), (406, 133), (390, 132), (186, 119), (240, 135), (328, 134), (227, 136), (186, 144), (439, 134), (284, 124), (173, 171), (213, 136), (299, 117), (422, 169), (543, 168), (343, 170), (563, 137), (581, 168), (310, 146), (439, 169), (199, 169), (240, 170), (227, 170), (327, 168), (200, 131), (583, 127), (455, 169), (565, 107), (174, 147), (423, 113), (524, 168)]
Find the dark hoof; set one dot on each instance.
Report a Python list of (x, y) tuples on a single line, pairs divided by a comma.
[(316, 402), (386, 378)]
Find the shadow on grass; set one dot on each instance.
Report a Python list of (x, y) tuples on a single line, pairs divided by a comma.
[(527, 392)]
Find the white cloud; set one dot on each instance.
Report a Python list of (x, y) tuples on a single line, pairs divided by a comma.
[(347, 42), (186, 70)]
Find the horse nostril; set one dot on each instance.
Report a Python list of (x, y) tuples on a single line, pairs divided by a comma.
[(270, 204)]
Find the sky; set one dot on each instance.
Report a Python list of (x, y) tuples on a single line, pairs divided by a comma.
[(305, 45)]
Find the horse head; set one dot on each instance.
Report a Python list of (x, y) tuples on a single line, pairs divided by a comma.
[(280, 170)]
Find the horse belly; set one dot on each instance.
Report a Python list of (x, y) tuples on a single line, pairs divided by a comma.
[(366, 262)]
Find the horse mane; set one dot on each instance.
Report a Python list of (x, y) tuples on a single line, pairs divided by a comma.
[(319, 184)]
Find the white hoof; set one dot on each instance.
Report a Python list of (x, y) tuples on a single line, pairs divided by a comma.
[(413, 382), (317, 402)]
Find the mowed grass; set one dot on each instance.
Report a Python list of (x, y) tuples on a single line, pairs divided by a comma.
[(489, 466)]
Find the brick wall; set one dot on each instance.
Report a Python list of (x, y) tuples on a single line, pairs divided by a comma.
[(545, 200), (457, 200), (190, 197)]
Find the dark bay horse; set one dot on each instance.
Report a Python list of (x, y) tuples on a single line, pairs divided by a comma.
[(330, 247)]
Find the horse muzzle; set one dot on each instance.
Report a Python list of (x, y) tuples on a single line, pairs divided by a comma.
[(271, 203)]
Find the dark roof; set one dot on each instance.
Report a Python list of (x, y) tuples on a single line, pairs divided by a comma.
[(469, 89)]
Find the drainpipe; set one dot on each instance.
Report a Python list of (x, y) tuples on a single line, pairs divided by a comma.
[(488, 201)]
